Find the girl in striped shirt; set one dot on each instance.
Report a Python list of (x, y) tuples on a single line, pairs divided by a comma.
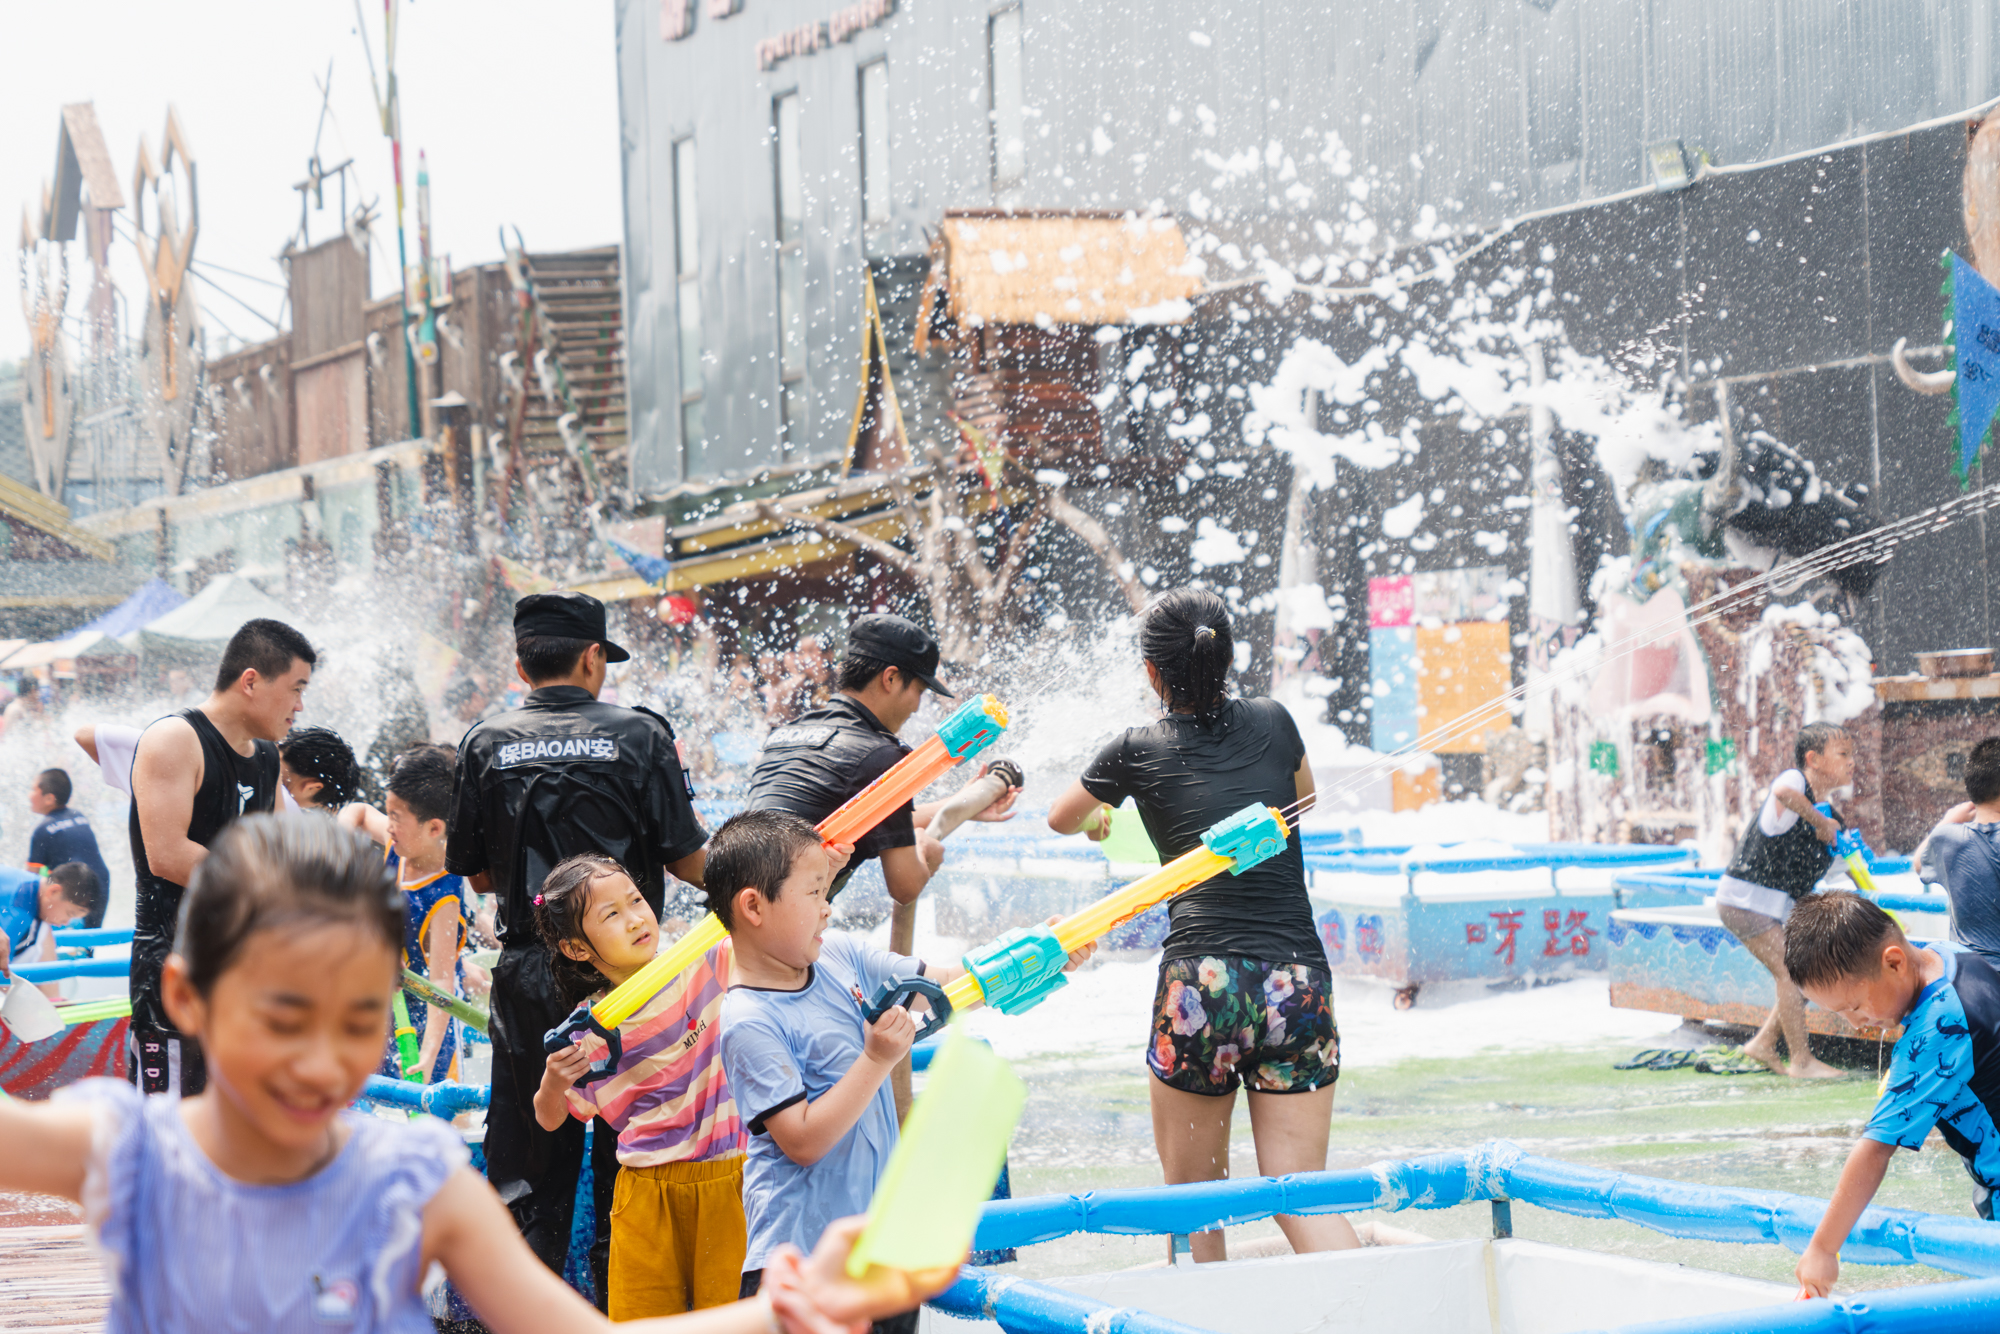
[(677, 1230)]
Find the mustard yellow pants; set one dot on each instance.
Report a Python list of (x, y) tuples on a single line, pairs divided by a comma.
[(677, 1238)]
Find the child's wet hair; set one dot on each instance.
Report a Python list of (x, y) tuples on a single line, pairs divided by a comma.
[(421, 779), (289, 872), (1837, 935), (753, 850), (559, 909), (320, 753), (1813, 739), (79, 885), (1982, 771)]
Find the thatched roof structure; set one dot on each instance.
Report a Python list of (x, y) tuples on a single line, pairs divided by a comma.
[(992, 266)]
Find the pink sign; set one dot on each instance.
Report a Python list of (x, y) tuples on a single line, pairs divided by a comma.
[(1391, 602)]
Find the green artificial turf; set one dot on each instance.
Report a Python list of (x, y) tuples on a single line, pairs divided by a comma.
[(1090, 1128)]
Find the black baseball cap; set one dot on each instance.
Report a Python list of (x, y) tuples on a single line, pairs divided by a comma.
[(899, 643), (566, 614)]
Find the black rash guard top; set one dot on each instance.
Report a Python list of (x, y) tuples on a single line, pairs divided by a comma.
[(1791, 862), (231, 785), (561, 775), (1184, 777), (812, 765)]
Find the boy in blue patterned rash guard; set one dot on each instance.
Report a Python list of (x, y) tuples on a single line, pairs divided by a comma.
[(1851, 959)]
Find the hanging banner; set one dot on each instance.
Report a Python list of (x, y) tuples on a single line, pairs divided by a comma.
[(1972, 314)]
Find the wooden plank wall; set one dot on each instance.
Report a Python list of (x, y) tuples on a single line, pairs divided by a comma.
[(50, 1280), (252, 400)]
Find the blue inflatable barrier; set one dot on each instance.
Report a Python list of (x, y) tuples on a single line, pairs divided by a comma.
[(1499, 1170), (1377, 859), (1020, 1306), (1687, 888), (89, 936), (1921, 1309), (61, 968), (446, 1099)]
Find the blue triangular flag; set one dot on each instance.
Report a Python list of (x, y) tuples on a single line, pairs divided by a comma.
[(653, 569), (1975, 325)]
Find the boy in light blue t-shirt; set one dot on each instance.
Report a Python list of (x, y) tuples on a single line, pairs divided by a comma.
[(810, 1078), (809, 1075)]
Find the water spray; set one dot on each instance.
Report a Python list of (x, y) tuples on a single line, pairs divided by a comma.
[(1877, 547)]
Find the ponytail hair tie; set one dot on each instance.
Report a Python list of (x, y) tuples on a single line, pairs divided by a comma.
[(538, 900), (1203, 633)]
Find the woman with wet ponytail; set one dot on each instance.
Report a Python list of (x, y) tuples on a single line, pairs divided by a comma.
[(1188, 649), (1244, 995)]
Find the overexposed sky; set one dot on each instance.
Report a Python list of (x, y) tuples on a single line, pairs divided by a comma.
[(516, 102)]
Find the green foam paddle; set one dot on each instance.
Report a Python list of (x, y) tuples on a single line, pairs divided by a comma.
[(943, 1169), (1127, 842), (111, 1007)]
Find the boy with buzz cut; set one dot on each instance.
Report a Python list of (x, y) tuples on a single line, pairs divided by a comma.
[(1851, 959), (413, 830), (32, 907), (809, 1074)]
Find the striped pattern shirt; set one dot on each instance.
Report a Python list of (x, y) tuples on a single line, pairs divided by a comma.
[(669, 1101)]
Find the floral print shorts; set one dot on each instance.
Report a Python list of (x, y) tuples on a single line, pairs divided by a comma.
[(1223, 1021)]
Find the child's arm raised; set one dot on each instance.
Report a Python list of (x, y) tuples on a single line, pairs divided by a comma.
[(360, 815), (44, 1147), (1795, 801), (1819, 1267), (807, 1131)]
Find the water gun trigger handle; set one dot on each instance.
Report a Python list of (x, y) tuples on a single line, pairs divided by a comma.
[(1849, 841), (580, 1022), (901, 991)]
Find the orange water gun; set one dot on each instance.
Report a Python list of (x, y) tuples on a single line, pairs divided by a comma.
[(972, 727)]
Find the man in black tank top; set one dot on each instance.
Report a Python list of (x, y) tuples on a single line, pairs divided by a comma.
[(195, 772)]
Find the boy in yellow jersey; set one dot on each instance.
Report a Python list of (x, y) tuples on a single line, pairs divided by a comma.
[(413, 829)]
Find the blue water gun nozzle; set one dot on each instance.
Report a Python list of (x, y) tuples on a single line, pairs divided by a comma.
[(1850, 847), (1252, 836), (1019, 970)]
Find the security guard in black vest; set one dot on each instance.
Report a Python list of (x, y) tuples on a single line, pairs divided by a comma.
[(813, 764), (561, 775)]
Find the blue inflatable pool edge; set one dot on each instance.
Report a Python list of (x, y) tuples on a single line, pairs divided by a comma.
[(1501, 1171), (446, 1099)]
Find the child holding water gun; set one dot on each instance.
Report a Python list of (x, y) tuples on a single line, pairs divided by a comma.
[(677, 1234), (413, 830), (803, 1063), (264, 1203), (1784, 852)]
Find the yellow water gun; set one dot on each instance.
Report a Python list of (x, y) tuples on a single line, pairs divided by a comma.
[(1019, 970)]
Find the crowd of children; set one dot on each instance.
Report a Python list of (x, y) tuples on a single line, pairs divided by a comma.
[(749, 1096)]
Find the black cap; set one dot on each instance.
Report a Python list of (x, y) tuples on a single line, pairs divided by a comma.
[(566, 615), (897, 642)]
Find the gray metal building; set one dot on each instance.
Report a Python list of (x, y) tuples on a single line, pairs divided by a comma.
[(773, 147)]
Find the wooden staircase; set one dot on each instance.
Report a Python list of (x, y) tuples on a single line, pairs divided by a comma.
[(567, 390)]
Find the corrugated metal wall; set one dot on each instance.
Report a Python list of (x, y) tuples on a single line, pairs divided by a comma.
[(1478, 109)]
